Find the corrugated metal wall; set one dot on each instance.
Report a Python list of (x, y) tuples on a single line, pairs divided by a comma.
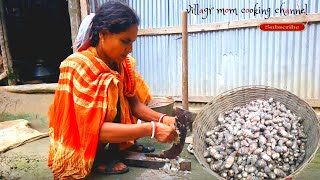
[(95, 4), (222, 60)]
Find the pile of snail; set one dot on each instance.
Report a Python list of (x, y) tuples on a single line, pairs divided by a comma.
[(262, 139)]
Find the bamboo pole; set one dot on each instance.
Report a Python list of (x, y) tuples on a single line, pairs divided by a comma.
[(32, 88), (6, 56), (185, 102)]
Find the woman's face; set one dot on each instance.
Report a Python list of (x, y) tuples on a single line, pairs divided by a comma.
[(116, 47)]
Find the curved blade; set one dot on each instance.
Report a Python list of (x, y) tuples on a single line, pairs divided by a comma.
[(183, 118)]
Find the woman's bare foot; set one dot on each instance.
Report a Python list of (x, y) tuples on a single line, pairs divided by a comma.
[(117, 167), (113, 167)]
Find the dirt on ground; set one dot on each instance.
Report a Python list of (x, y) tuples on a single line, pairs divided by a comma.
[(26, 162), (17, 166)]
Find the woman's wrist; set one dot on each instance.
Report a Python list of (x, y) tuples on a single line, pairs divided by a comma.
[(160, 120), (153, 129), (147, 129)]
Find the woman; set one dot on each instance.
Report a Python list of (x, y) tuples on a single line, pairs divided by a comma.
[(98, 98)]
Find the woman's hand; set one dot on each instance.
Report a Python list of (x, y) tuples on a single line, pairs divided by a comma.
[(165, 133), (169, 121)]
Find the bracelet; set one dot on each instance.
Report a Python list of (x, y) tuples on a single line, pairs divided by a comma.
[(161, 118), (153, 129)]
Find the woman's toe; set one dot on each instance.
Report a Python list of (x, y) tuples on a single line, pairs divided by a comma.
[(119, 166)]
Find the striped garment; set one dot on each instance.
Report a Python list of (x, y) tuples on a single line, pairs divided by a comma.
[(86, 96)]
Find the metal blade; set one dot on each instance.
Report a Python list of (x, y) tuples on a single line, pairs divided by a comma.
[(183, 118)]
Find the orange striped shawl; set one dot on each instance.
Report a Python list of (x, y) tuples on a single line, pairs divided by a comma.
[(86, 96)]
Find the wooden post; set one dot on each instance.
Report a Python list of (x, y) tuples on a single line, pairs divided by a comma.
[(185, 102), (6, 56), (3, 73), (75, 19), (96, 6), (85, 9)]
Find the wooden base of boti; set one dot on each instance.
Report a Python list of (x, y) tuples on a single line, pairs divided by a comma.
[(141, 160)]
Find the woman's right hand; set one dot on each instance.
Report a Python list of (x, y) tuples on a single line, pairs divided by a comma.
[(165, 133)]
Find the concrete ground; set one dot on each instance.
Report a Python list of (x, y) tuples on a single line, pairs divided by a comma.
[(30, 160)]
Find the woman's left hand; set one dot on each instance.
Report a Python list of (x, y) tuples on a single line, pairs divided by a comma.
[(170, 121)]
